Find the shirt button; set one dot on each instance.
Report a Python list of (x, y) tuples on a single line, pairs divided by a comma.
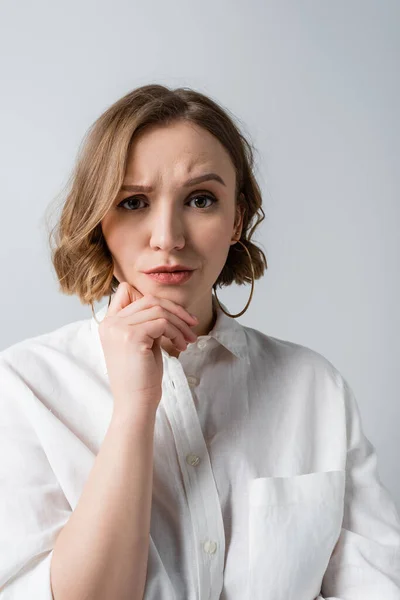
[(210, 547), (193, 460), (202, 344), (192, 380)]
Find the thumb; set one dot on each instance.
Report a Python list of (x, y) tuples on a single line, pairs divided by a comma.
[(125, 295)]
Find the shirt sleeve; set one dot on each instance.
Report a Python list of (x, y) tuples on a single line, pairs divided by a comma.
[(33, 507), (365, 563)]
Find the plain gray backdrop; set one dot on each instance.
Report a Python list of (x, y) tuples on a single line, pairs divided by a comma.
[(314, 85)]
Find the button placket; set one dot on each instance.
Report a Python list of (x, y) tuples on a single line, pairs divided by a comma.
[(202, 494)]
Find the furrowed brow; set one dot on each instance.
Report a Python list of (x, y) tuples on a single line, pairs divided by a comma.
[(193, 181)]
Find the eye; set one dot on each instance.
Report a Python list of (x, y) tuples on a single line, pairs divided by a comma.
[(207, 197), (130, 199), (135, 199)]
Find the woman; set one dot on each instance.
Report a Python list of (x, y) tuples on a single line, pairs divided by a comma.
[(160, 449)]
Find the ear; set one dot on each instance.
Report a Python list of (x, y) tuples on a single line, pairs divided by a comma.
[(239, 217)]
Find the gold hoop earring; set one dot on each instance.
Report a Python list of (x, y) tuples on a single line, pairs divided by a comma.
[(94, 316), (252, 288)]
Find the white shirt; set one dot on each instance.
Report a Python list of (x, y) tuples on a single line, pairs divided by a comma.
[(265, 486)]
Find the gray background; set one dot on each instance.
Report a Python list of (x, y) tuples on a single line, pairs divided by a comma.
[(314, 85)]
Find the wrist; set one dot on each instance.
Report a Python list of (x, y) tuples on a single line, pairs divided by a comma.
[(135, 413)]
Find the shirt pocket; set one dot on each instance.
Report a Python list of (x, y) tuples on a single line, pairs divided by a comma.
[(294, 524)]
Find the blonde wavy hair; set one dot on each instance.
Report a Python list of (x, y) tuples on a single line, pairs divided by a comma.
[(79, 253)]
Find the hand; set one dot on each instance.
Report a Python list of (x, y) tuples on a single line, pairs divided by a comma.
[(130, 334)]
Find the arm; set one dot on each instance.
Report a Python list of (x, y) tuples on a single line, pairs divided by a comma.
[(102, 551), (365, 564), (42, 541)]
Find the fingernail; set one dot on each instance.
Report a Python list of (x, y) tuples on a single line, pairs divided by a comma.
[(193, 317)]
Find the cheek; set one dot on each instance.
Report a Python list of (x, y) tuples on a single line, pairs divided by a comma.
[(217, 239), (109, 228), (215, 248), (118, 236), (217, 230)]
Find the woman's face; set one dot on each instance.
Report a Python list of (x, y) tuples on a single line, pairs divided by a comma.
[(193, 225)]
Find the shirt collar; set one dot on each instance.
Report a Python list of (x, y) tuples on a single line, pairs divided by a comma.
[(227, 330)]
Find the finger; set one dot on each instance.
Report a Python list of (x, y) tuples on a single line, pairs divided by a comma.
[(156, 328), (123, 297), (150, 301), (154, 313)]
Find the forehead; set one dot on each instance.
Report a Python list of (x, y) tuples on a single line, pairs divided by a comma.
[(182, 146)]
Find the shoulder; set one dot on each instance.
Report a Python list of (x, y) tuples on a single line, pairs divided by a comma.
[(290, 359), (50, 351)]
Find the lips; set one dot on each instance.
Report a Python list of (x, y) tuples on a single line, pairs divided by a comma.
[(174, 277), (168, 269)]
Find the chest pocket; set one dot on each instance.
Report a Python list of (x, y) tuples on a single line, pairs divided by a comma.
[(294, 523)]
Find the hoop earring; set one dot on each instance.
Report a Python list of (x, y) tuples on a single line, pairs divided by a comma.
[(252, 288), (94, 316)]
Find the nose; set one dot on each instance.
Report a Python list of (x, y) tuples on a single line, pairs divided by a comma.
[(167, 228)]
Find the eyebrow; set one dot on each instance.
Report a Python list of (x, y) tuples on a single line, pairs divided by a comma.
[(188, 183)]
